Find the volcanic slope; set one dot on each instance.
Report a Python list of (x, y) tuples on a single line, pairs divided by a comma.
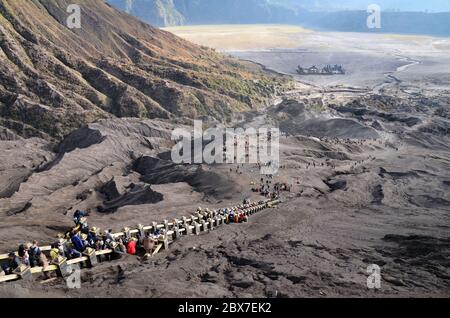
[(54, 79)]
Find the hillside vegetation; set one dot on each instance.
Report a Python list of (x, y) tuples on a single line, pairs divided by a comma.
[(54, 79)]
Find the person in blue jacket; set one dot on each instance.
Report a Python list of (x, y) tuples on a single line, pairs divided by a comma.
[(78, 215), (78, 243)]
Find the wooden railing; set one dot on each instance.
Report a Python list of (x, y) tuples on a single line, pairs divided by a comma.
[(195, 224)]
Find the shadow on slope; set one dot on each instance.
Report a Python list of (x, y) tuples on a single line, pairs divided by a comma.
[(158, 171)]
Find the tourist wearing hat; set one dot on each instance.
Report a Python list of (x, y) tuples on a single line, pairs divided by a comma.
[(92, 236)]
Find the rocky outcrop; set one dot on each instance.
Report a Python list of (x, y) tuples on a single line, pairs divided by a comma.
[(138, 195), (158, 171)]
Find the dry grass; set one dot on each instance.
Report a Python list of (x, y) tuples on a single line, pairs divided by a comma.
[(242, 37)]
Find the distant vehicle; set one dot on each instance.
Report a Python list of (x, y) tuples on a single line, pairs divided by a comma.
[(327, 70)]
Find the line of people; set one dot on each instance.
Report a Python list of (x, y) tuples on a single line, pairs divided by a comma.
[(28, 254), (232, 215), (82, 237), (266, 189), (76, 241)]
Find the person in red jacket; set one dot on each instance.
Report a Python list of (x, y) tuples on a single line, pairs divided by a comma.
[(131, 246)]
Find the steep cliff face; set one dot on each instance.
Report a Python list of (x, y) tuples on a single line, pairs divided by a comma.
[(179, 12), (159, 12), (427, 17), (54, 79), (235, 11)]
